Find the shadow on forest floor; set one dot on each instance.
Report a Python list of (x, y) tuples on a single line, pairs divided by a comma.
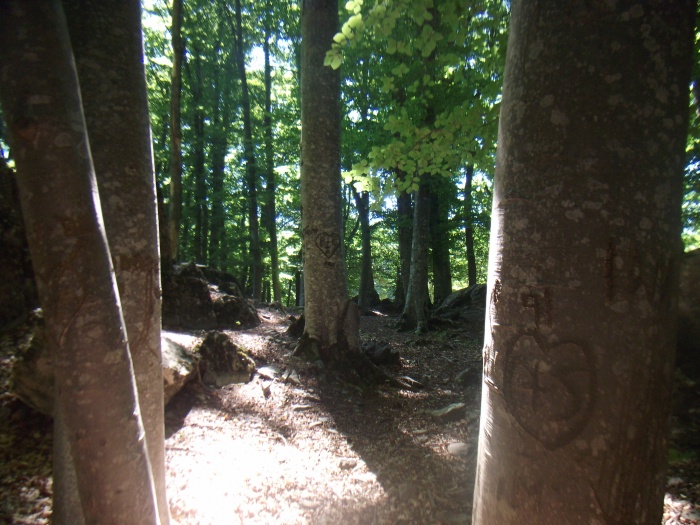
[(304, 451)]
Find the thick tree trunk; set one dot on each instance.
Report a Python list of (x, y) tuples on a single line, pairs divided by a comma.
[(106, 39), (440, 199), (175, 204), (331, 327), (414, 312), (578, 356), (95, 385), (469, 227), (250, 163), (270, 182)]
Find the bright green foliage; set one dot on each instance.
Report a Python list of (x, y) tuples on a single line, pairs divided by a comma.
[(443, 58), (402, 59)]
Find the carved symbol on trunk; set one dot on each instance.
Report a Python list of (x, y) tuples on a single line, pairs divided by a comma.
[(328, 243), (549, 390)]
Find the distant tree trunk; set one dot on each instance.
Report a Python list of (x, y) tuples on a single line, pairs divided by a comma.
[(270, 183), (219, 147), (405, 235), (175, 204), (367, 295), (469, 227), (414, 312), (95, 384), (332, 324), (250, 164), (201, 209), (440, 199), (117, 121), (585, 248)]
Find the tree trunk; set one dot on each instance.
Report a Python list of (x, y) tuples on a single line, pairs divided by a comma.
[(405, 234), (440, 199), (469, 227), (95, 384), (331, 324), (250, 165), (367, 295), (414, 314), (585, 247), (175, 204), (201, 210), (106, 39), (270, 183)]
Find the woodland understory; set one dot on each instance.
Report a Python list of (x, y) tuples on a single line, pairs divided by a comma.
[(301, 448)]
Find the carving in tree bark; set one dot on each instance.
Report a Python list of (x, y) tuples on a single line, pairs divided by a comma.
[(585, 247)]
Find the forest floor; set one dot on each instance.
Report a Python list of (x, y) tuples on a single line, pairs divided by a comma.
[(299, 448)]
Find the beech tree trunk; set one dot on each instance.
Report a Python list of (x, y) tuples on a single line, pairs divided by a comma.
[(107, 43), (405, 234), (331, 328), (175, 204), (200, 207), (250, 163), (578, 356), (95, 384), (414, 312), (469, 227), (270, 182), (367, 295), (440, 198)]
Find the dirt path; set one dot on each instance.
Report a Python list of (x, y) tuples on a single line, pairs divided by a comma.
[(300, 449)]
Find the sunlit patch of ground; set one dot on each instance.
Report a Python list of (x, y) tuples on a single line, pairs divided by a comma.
[(305, 451)]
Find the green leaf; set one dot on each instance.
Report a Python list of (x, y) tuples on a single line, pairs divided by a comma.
[(337, 60), (340, 38), (350, 6), (328, 58), (355, 21)]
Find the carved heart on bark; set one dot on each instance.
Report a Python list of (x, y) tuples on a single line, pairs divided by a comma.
[(328, 243), (549, 390)]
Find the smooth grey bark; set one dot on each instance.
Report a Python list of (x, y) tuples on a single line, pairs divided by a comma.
[(107, 43), (175, 203), (585, 247), (330, 325), (414, 314), (95, 384)]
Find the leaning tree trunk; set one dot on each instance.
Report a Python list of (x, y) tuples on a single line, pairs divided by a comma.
[(325, 289), (106, 39), (95, 385), (579, 346)]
